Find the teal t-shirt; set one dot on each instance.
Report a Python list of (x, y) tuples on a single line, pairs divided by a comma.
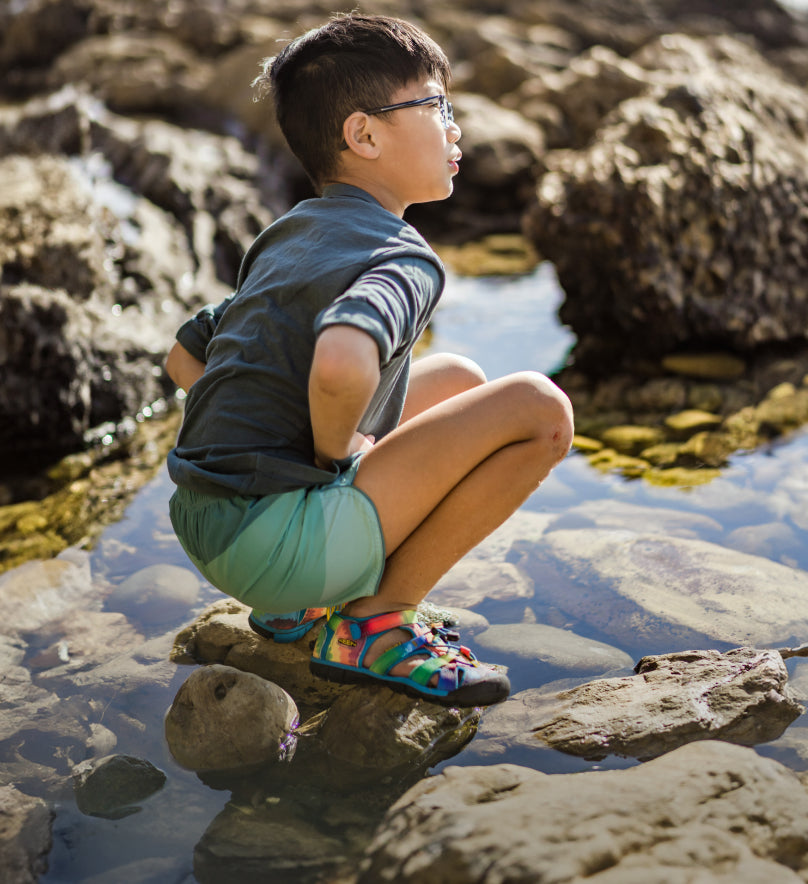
[(340, 259)]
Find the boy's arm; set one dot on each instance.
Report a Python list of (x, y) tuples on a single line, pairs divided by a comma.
[(344, 376), (184, 369)]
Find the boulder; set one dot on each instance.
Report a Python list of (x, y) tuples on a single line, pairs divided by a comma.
[(708, 811), (156, 594), (223, 718), (677, 223)]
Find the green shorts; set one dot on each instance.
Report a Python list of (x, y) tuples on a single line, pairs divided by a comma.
[(307, 548)]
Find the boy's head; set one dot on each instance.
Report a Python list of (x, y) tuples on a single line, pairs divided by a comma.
[(354, 62)]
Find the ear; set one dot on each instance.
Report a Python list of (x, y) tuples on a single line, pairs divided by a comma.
[(359, 132)]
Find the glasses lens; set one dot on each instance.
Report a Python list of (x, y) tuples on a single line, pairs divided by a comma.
[(448, 113)]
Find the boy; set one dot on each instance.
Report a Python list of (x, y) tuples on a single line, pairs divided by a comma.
[(314, 469)]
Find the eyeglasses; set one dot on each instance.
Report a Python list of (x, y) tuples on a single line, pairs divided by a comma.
[(446, 109)]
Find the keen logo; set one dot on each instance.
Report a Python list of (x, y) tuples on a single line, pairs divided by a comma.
[(346, 641)]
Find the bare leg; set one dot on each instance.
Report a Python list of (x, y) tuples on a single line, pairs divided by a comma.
[(438, 377), (453, 473)]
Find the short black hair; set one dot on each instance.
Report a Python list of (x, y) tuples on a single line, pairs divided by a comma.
[(353, 62)]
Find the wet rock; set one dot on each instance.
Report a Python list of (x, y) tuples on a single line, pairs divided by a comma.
[(741, 697), (40, 592), (560, 648), (727, 814), (696, 178), (25, 836), (156, 594), (248, 842), (221, 634), (383, 730), (112, 786), (223, 718), (644, 590), (632, 439)]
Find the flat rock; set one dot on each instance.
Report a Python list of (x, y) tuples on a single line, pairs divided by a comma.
[(110, 786), (646, 590), (710, 812), (741, 696)]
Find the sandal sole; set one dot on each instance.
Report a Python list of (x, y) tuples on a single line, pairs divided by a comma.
[(481, 694)]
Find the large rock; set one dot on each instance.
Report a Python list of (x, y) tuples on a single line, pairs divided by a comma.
[(710, 811), (741, 696), (112, 786), (678, 222), (97, 273), (25, 836)]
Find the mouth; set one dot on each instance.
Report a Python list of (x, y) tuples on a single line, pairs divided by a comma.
[(454, 162)]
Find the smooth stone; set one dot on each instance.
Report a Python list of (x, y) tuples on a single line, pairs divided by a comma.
[(111, 787), (556, 647), (223, 718)]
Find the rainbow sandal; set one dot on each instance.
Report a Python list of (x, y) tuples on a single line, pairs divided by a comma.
[(344, 641), (285, 627)]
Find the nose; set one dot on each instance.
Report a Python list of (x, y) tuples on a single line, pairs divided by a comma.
[(453, 132)]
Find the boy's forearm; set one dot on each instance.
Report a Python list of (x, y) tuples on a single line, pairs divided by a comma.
[(184, 369), (344, 376)]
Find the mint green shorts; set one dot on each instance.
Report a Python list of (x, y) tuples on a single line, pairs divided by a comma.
[(308, 548)]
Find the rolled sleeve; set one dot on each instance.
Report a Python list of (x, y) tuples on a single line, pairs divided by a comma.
[(195, 334), (391, 302)]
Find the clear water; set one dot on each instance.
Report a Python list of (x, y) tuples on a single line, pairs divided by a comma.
[(506, 325)]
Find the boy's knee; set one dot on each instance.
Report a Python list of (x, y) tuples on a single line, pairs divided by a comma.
[(549, 409)]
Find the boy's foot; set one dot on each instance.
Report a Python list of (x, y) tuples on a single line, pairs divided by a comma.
[(285, 627), (426, 665)]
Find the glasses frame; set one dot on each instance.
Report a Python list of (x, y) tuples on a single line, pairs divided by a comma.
[(446, 109)]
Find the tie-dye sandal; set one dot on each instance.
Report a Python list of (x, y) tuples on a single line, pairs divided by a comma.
[(344, 641), (285, 627)]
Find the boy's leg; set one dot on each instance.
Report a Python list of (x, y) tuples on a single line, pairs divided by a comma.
[(438, 377), (450, 475), (447, 477)]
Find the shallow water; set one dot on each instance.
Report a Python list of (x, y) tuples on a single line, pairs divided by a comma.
[(505, 325)]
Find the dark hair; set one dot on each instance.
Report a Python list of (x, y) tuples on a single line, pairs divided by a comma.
[(353, 62)]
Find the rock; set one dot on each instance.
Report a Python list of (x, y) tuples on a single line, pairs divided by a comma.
[(25, 836), (683, 204), (38, 593), (223, 718), (631, 439), (685, 423), (221, 634), (740, 697), (644, 590), (471, 582), (245, 843), (383, 730), (110, 787), (713, 366), (727, 814), (560, 648), (156, 594), (97, 273)]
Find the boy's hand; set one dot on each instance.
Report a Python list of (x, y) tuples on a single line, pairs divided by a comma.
[(359, 442)]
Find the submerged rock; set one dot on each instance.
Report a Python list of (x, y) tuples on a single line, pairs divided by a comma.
[(223, 718), (111, 787), (710, 811)]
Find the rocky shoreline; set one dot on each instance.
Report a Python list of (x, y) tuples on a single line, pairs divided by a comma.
[(655, 152)]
